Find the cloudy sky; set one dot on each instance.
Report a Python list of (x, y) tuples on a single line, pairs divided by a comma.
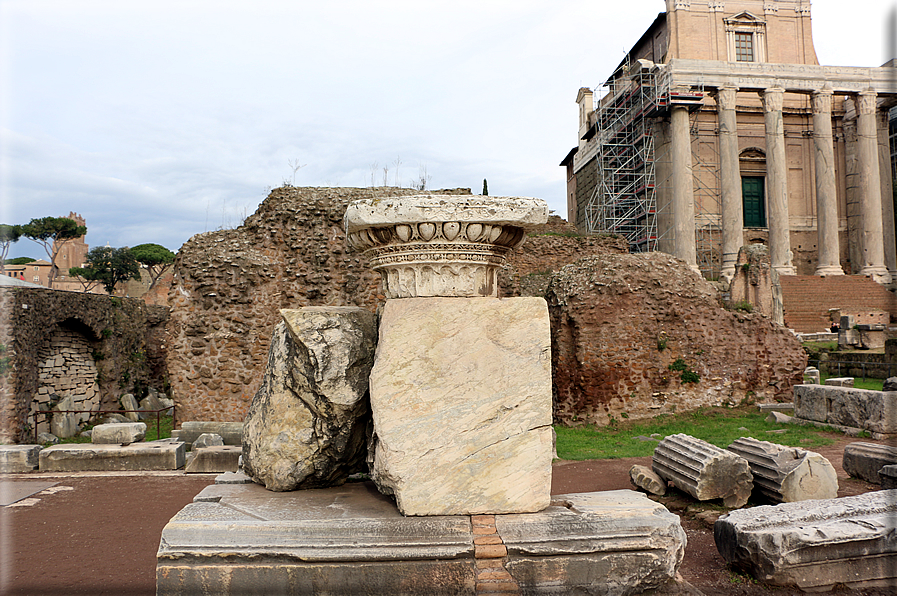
[(160, 119)]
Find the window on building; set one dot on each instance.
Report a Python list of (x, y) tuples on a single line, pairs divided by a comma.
[(744, 47), (36, 279), (754, 204)]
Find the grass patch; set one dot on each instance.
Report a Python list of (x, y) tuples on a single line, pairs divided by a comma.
[(719, 426), (858, 382), (821, 346)]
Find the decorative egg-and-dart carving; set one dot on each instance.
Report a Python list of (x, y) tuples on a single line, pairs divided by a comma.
[(440, 245)]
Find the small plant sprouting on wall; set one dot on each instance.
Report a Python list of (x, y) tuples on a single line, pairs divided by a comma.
[(107, 333), (746, 267), (686, 374), (743, 306), (662, 343)]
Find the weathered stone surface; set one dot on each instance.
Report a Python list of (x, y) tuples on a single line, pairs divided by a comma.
[(811, 376), (787, 474), (874, 411), (702, 470), (16, 459), (151, 402), (129, 402), (839, 382), (113, 418), (888, 476), (62, 425), (864, 460), (243, 539), (44, 438), (618, 323), (815, 545), (611, 542), (461, 400), (307, 424), (89, 457), (230, 432), (207, 440), (214, 459), (128, 432), (233, 478), (645, 478), (890, 384)]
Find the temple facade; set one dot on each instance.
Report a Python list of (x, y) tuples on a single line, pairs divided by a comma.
[(720, 129)]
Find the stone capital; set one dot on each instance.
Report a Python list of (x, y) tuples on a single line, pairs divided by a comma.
[(773, 99), (867, 102), (822, 101), (725, 97)]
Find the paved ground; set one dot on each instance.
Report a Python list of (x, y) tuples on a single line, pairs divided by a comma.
[(97, 534)]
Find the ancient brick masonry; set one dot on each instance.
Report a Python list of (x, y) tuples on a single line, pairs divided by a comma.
[(620, 321)]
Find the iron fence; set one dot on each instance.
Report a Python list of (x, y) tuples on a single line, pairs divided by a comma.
[(872, 370), (158, 413)]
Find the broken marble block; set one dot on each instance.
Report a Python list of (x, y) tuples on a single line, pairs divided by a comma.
[(864, 460), (702, 470), (646, 479), (461, 400), (787, 474), (815, 545), (307, 425), (874, 411), (15, 459), (118, 433)]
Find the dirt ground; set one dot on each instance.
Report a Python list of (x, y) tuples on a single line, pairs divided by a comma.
[(98, 535)]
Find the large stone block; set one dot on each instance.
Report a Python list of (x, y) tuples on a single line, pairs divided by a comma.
[(16, 459), (865, 460), (307, 426), (702, 470), (136, 456), (611, 542), (64, 425), (461, 399), (216, 459), (230, 432), (874, 411), (125, 432), (787, 474), (815, 545)]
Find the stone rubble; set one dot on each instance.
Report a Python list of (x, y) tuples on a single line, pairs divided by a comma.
[(118, 434), (702, 470), (646, 479), (207, 440), (815, 545), (17, 459), (63, 425), (865, 460), (129, 402), (307, 426), (787, 474)]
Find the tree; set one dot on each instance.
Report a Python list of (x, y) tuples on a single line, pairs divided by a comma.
[(485, 188), (108, 266), (156, 258), (52, 233), (8, 235)]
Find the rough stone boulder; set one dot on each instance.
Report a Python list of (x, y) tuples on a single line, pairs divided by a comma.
[(627, 328), (307, 426), (64, 425)]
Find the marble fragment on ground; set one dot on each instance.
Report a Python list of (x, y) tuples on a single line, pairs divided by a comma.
[(787, 474), (461, 400), (864, 460), (815, 545), (118, 433), (308, 421), (16, 459), (646, 479), (348, 540), (702, 470), (136, 456), (873, 411)]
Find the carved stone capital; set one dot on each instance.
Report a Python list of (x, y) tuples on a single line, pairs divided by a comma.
[(440, 245), (822, 101), (725, 97), (867, 102), (773, 99)]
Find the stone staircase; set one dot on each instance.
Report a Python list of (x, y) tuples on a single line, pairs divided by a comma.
[(807, 299)]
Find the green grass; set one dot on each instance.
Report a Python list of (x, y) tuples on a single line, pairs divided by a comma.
[(152, 433), (719, 426), (817, 346), (858, 382)]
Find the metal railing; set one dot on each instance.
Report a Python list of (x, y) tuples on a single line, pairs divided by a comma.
[(865, 367), (48, 413)]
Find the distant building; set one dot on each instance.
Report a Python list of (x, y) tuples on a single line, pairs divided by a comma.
[(720, 128)]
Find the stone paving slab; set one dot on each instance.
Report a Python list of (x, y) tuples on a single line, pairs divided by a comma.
[(12, 491), (242, 538), (136, 456)]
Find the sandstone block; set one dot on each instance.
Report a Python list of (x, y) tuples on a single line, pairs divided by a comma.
[(307, 424), (216, 459), (787, 474), (16, 459), (127, 432), (230, 432), (874, 411), (645, 478), (207, 440), (864, 460), (815, 545), (89, 457), (461, 400), (702, 470)]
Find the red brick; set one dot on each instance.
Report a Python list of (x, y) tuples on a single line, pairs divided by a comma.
[(490, 539), (490, 551)]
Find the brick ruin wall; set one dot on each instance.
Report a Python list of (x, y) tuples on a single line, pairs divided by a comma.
[(620, 321), (229, 286), (90, 346)]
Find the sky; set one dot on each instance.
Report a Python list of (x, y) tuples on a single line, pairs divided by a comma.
[(160, 119)]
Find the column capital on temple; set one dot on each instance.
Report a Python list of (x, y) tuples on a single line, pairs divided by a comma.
[(822, 101), (725, 97), (773, 99), (867, 101)]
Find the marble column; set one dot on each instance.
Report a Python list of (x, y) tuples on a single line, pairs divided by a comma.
[(887, 194), (730, 180), (828, 249), (870, 189), (777, 183), (682, 183)]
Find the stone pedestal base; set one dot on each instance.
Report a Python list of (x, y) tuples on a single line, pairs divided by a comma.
[(461, 400), (243, 539)]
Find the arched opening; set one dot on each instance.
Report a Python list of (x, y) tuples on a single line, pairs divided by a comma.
[(752, 164)]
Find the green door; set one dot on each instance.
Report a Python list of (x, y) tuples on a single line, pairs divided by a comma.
[(752, 194)]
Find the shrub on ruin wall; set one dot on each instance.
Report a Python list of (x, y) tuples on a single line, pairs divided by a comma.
[(626, 329)]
